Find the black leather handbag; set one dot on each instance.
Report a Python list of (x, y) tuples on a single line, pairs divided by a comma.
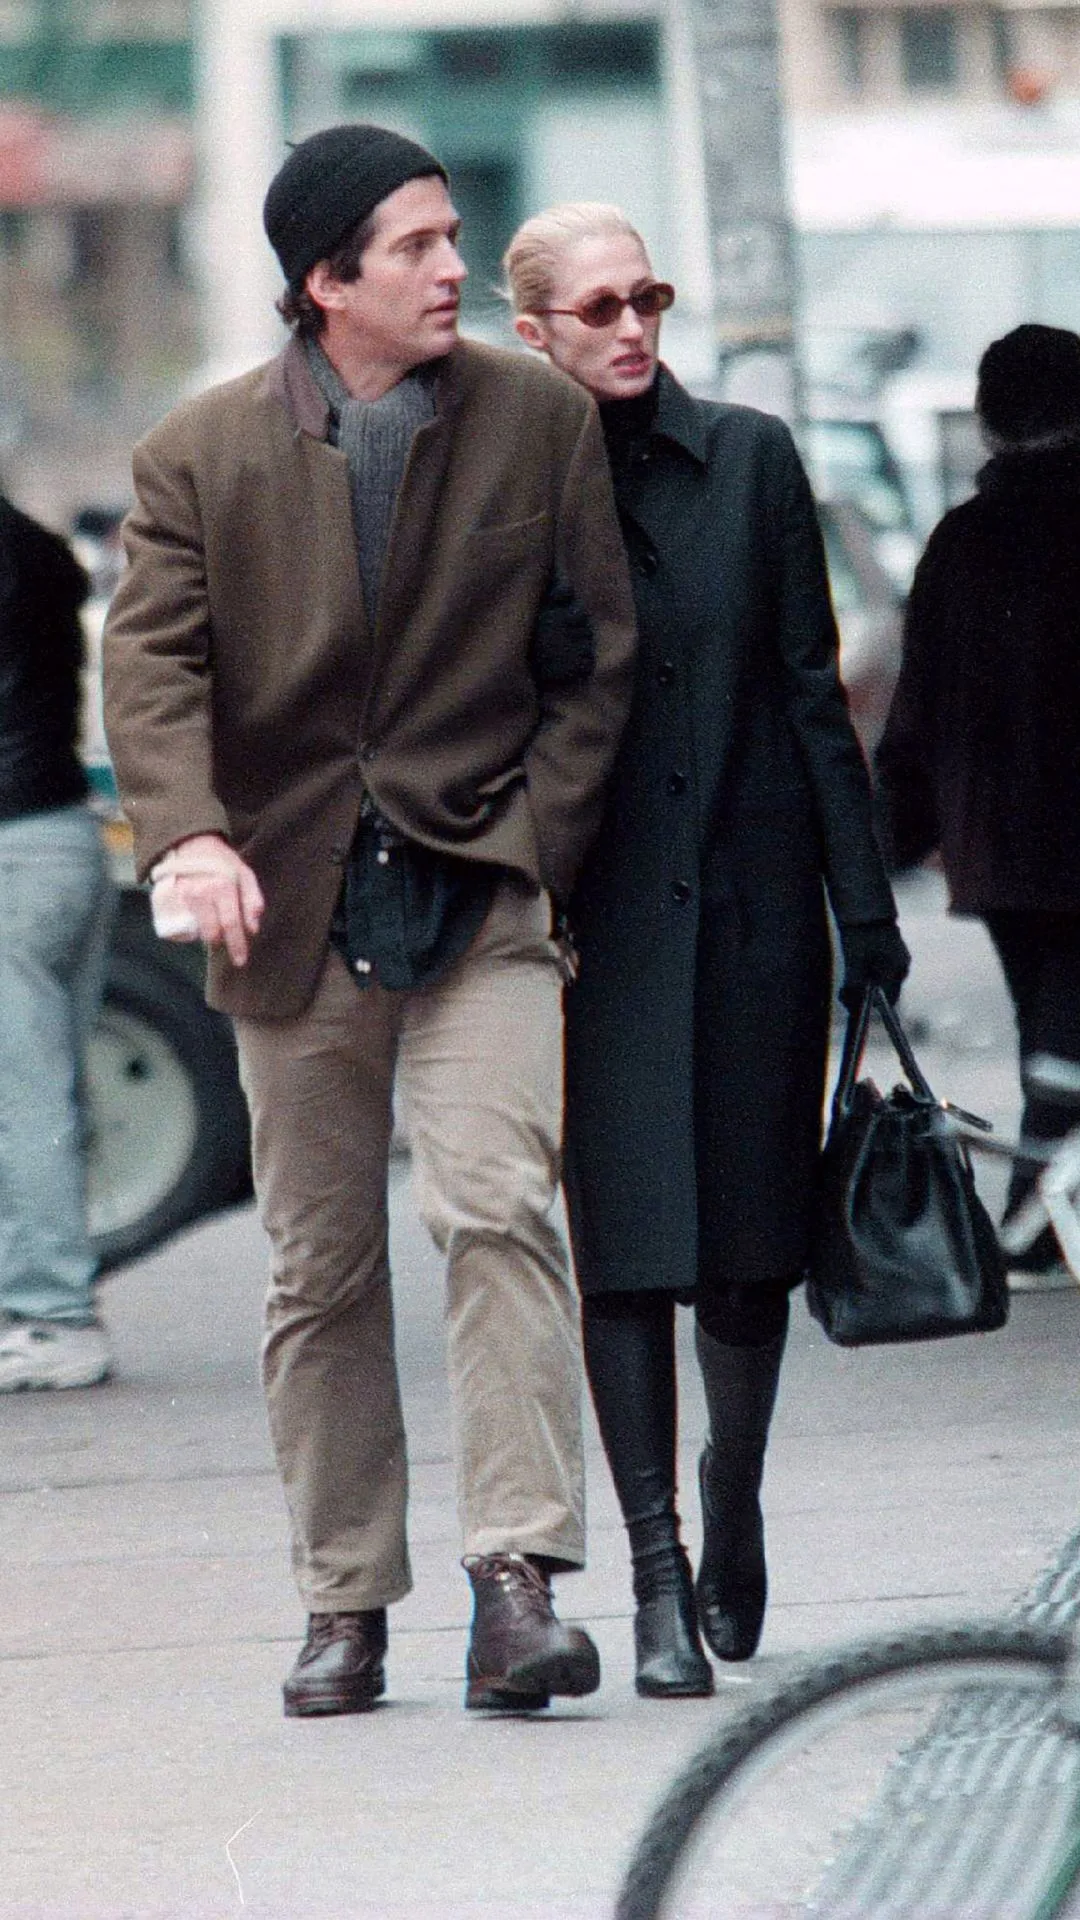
[(904, 1248)]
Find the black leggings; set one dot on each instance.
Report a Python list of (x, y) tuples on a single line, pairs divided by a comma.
[(629, 1342), (751, 1316), (1040, 958)]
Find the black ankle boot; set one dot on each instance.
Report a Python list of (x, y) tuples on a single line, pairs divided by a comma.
[(670, 1662), (630, 1359), (732, 1584)]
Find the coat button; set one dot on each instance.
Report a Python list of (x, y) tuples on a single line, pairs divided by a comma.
[(681, 891), (665, 673), (646, 563), (676, 782)]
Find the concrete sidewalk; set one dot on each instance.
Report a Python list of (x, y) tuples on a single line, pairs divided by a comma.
[(147, 1614)]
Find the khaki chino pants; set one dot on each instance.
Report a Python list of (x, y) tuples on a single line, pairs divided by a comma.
[(478, 1062)]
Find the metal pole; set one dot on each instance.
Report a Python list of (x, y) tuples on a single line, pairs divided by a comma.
[(736, 49), (239, 146)]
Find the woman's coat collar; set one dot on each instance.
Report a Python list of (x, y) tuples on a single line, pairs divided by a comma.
[(679, 418)]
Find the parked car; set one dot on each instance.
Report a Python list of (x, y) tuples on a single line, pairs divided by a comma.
[(869, 614), (169, 1136), (849, 460), (905, 456)]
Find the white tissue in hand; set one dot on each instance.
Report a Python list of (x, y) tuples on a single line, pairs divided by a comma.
[(172, 920)]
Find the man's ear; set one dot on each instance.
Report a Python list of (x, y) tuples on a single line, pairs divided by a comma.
[(531, 332), (322, 286)]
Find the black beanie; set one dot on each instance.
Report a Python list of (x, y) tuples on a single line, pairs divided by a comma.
[(332, 181), (1029, 384)]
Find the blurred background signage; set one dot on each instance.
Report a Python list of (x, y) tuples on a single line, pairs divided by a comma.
[(50, 160), (859, 192)]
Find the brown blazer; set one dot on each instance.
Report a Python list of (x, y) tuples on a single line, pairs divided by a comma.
[(246, 694)]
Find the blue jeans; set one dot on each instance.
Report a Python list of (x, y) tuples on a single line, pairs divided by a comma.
[(56, 908)]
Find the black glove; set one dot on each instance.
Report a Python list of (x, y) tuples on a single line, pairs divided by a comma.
[(874, 956)]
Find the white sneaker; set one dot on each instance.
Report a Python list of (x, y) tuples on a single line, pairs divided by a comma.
[(45, 1353), (1040, 1279)]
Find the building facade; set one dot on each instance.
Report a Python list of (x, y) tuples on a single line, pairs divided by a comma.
[(96, 174), (932, 159)]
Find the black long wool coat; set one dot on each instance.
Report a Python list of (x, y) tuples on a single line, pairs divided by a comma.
[(697, 1032)]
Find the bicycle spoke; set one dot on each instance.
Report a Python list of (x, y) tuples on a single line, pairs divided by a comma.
[(938, 1791)]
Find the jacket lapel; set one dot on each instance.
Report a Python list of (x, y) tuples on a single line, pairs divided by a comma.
[(418, 498), (326, 502), (657, 492), (418, 495)]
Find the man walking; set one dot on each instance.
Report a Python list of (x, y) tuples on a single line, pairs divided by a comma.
[(348, 767)]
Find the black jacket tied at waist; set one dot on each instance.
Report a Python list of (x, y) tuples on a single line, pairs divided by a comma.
[(42, 588)]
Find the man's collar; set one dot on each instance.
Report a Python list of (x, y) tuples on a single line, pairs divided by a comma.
[(679, 419), (291, 379)]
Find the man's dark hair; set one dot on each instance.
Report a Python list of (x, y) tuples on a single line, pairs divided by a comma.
[(296, 306)]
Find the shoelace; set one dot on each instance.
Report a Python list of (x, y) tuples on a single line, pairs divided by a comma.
[(518, 1577), (323, 1627)]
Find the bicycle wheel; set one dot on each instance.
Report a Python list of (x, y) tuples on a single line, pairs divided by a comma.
[(915, 1778)]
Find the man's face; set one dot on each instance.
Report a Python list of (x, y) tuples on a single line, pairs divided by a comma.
[(403, 309)]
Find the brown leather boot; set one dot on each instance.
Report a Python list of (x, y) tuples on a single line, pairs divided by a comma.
[(519, 1652), (340, 1666)]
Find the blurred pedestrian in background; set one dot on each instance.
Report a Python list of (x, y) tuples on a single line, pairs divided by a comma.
[(980, 758), (55, 915), (697, 1033)]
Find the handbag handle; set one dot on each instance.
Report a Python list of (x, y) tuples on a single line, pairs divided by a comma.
[(858, 1026), (891, 1022)]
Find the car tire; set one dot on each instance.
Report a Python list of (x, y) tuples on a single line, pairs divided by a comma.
[(169, 1137)]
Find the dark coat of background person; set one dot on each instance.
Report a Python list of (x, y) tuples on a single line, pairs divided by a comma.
[(42, 588), (698, 1030), (980, 757)]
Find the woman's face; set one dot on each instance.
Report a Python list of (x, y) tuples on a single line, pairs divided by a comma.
[(614, 362)]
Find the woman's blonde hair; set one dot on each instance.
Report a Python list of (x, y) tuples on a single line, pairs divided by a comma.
[(531, 261)]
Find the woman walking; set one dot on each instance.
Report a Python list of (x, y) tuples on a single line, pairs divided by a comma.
[(697, 1033), (979, 759)]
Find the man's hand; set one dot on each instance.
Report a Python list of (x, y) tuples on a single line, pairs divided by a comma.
[(205, 878)]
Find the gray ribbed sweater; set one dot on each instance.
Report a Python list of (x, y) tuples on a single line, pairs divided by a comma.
[(375, 436)]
